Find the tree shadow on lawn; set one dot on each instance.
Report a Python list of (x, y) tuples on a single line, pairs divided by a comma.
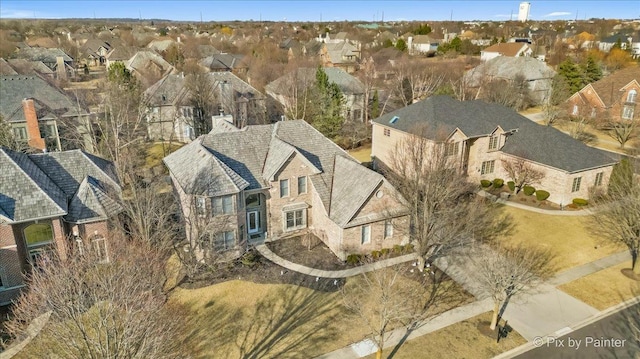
[(291, 322)]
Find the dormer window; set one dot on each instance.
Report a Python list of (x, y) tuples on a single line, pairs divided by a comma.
[(494, 141)]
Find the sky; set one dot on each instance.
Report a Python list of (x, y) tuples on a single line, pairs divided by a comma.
[(307, 10)]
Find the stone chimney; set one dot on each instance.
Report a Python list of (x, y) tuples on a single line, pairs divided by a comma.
[(33, 131), (60, 68)]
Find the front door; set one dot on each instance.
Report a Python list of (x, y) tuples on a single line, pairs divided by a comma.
[(253, 221)]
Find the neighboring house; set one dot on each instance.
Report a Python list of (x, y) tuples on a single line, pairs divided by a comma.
[(55, 59), (284, 89), (627, 41), (538, 76), (160, 46), (26, 67), (341, 54), (172, 112), (509, 49), (59, 201), (482, 135), (422, 44), (119, 54), (286, 179), (148, 67), (94, 52), (611, 98), (224, 62), (38, 112)]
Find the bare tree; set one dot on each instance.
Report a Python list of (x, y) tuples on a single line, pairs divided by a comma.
[(521, 172), (6, 136), (426, 170), (508, 270), (414, 81), (202, 96), (617, 214), (624, 131), (121, 132), (104, 302), (513, 93), (400, 299)]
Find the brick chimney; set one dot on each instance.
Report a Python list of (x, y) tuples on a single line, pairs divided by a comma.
[(33, 131)]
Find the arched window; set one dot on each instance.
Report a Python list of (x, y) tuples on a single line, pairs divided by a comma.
[(631, 96)]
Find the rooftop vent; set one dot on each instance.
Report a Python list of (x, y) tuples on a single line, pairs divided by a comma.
[(394, 119)]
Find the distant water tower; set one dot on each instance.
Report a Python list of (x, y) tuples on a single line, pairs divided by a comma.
[(523, 12)]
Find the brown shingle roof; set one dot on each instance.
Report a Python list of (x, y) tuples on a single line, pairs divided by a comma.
[(506, 48), (608, 88)]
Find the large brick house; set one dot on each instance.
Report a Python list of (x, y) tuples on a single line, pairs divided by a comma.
[(612, 98), (281, 180), (51, 201), (483, 135)]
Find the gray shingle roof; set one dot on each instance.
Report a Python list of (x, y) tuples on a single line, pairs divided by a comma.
[(42, 54), (226, 62), (352, 185), (171, 88), (73, 184), (15, 88), (347, 83), (541, 144), (256, 152)]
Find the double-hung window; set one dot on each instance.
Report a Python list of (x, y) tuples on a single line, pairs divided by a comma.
[(284, 188), (487, 167), (223, 205), (295, 219), (575, 187)]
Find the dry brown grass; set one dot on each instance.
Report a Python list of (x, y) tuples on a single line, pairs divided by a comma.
[(362, 153), (605, 288), (459, 340), (239, 318), (157, 151), (568, 237)]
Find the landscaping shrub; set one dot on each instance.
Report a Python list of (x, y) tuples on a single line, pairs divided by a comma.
[(580, 202), (376, 254), (408, 248), (541, 195), (354, 259), (485, 183), (528, 190), (249, 259), (498, 183), (397, 249), (511, 185), (385, 251)]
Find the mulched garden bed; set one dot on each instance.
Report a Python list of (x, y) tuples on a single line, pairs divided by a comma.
[(314, 255), (259, 270)]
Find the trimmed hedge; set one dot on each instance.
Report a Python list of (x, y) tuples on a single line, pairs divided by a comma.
[(541, 195), (485, 183), (511, 185), (580, 202), (528, 190), (498, 182)]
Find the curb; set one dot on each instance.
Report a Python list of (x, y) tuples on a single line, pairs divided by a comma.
[(530, 345)]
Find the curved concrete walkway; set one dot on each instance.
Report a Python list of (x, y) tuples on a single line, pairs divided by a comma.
[(582, 212), (267, 253)]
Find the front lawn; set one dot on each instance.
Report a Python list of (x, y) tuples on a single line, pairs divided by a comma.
[(246, 319), (604, 288), (459, 340), (568, 237)]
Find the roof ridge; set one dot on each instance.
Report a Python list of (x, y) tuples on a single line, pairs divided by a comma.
[(3, 150)]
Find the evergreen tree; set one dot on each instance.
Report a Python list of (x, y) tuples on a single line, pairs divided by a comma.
[(387, 43), (375, 105), (424, 29), (571, 74), (592, 71), (328, 118), (401, 45)]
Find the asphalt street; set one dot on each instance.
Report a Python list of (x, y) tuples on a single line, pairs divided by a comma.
[(610, 337)]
